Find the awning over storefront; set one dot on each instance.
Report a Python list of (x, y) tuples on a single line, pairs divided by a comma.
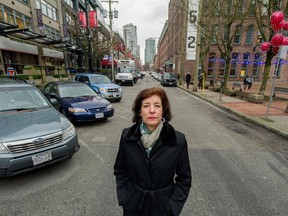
[(7, 29), (7, 44), (53, 53)]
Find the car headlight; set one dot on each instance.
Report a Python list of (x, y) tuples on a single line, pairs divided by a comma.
[(117, 76), (109, 106), (3, 149), (103, 90), (130, 77), (69, 131), (76, 110), (119, 89)]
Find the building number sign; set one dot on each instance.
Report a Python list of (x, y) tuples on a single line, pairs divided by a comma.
[(192, 31)]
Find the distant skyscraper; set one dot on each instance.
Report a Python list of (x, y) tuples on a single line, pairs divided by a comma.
[(130, 38), (150, 50)]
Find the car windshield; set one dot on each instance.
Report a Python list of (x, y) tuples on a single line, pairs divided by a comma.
[(100, 80), (169, 75), (75, 91), (21, 98)]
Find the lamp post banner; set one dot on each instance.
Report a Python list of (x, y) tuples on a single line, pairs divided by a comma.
[(82, 19), (192, 29), (93, 19)]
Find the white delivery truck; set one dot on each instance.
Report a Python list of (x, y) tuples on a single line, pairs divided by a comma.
[(126, 72)]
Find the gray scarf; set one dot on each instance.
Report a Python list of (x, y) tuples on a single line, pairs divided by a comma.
[(148, 138)]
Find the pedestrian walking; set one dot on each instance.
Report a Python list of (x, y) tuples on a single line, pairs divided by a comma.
[(188, 79), (152, 168), (248, 81), (200, 81)]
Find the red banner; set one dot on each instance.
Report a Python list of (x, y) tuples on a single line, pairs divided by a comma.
[(82, 19), (93, 19)]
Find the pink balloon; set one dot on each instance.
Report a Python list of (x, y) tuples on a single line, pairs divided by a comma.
[(275, 49), (278, 27), (276, 17), (277, 40), (285, 26), (265, 46), (285, 41)]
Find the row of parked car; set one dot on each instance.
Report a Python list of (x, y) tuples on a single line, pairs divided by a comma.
[(37, 126), (165, 78)]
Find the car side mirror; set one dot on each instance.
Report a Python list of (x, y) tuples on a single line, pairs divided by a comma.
[(53, 101), (53, 95)]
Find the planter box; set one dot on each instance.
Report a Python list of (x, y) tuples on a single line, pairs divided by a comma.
[(255, 98)]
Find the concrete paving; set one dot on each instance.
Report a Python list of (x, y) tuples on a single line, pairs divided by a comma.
[(274, 118)]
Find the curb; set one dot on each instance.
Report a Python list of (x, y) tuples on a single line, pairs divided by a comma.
[(248, 118)]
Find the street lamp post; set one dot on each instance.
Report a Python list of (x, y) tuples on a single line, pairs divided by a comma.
[(88, 35), (111, 36)]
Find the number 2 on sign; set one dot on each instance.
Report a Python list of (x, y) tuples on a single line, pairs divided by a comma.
[(191, 40)]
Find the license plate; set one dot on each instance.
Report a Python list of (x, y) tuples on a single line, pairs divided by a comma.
[(41, 158), (99, 115)]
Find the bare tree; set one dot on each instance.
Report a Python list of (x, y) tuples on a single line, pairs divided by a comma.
[(222, 22), (263, 9)]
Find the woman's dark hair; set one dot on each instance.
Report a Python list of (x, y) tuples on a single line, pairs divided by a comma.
[(146, 93)]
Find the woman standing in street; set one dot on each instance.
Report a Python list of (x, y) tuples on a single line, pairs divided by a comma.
[(152, 167)]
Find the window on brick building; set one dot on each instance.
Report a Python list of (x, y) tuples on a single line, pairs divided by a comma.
[(222, 67), (240, 7), (245, 64), (256, 64), (249, 34), (211, 64), (237, 36), (233, 65), (259, 35), (226, 37), (252, 8)]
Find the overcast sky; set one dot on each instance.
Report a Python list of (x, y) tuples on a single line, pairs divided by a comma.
[(148, 15)]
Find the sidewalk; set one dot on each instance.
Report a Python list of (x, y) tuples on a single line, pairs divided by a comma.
[(277, 119)]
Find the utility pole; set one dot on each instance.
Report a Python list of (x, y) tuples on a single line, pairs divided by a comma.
[(198, 50), (183, 39), (111, 36)]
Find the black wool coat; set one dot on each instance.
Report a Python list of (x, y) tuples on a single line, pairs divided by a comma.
[(154, 186)]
